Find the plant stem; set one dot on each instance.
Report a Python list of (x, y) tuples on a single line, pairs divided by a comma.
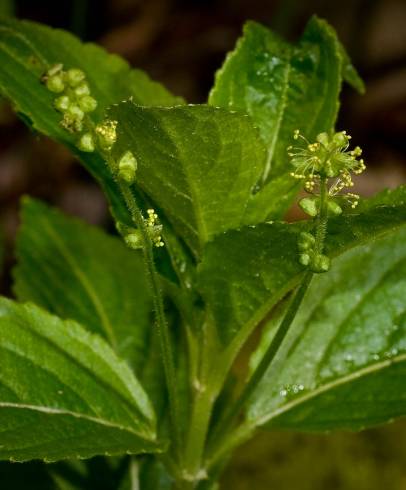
[(199, 423), (229, 417), (162, 325), (321, 226), (206, 386)]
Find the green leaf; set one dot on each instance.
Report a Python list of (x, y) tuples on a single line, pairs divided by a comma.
[(343, 364), (283, 88), (197, 163), (64, 393), (245, 272), (27, 49), (79, 272)]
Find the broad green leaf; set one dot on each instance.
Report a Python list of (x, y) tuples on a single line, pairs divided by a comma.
[(343, 364), (79, 272), (197, 163), (64, 393), (283, 88), (27, 49), (245, 272)]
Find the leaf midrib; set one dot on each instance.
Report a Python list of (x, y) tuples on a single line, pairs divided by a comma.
[(328, 386), (283, 105), (89, 418), (131, 407), (87, 285)]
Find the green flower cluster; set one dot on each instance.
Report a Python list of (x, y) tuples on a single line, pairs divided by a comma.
[(133, 236), (309, 257), (316, 163), (327, 158), (74, 101)]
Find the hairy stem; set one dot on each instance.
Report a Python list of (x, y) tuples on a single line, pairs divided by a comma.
[(161, 323), (321, 226)]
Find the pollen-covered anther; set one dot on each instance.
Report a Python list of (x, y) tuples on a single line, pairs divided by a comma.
[(353, 199), (313, 147), (154, 228), (107, 134), (309, 185)]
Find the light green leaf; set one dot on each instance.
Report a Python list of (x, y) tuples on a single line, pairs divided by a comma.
[(343, 364), (245, 272), (199, 164), (79, 272), (27, 49), (283, 88), (64, 393)]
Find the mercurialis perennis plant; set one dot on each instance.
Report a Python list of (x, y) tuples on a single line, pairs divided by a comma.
[(125, 345)]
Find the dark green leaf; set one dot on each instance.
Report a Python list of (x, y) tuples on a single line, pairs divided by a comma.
[(245, 272), (64, 393), (28, 49), (343, 364), (198, 163), (283, 88), (79, 272)]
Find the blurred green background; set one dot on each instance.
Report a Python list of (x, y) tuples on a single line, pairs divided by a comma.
[(181, 43)]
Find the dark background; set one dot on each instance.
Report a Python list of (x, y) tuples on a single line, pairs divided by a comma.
[(181, 44)]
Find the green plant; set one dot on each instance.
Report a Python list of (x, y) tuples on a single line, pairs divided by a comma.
[(134, 354)]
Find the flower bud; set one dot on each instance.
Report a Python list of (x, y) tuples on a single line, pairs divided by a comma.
[(309, 206), (134, 240), (82, 89), (75, 112), (334, 208), (55, 69), (127, 167), (86, 143), (304, 259), (62, 103), (55, 84), (340, 139), (323, 138), (320, 263), (87, 103), (74, 76), (306, 241)]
